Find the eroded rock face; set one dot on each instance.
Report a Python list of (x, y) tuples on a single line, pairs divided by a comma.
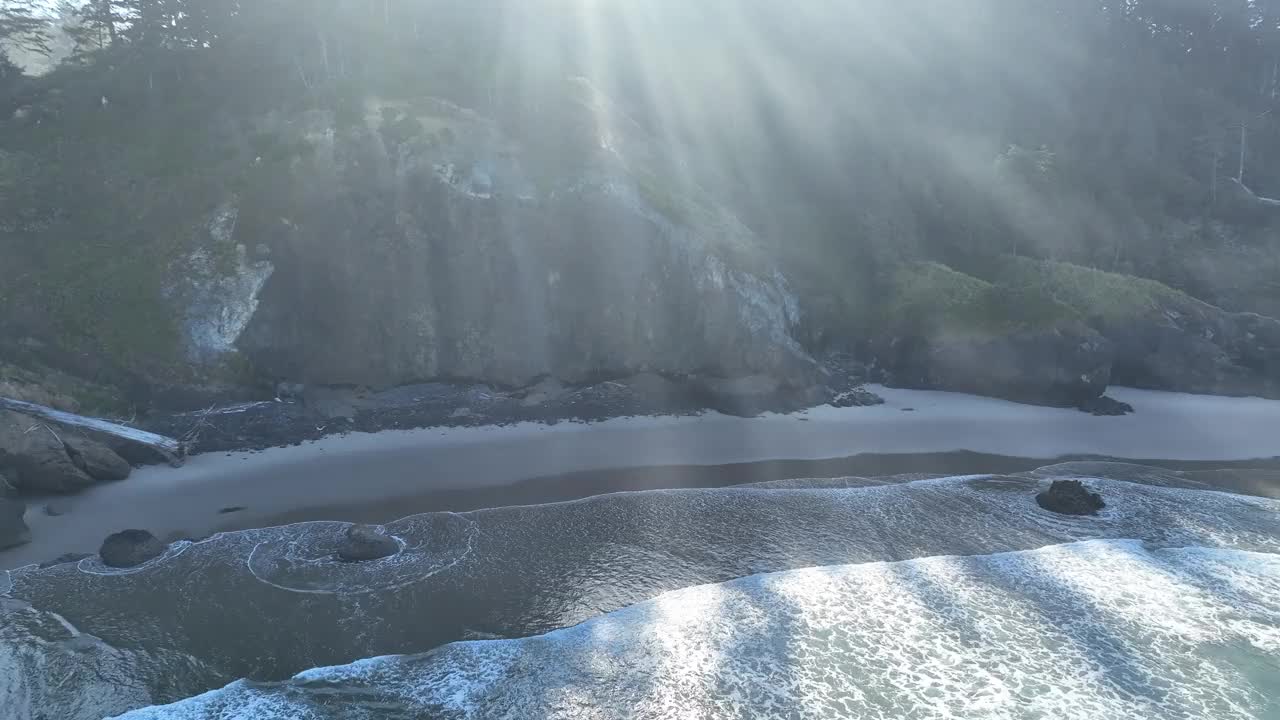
[(130, 548), (427, 244), (1064, 365), (218, 285), (751, 395), (1070, 497), (1191, 346)]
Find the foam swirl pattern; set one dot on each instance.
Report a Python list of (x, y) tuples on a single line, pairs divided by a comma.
[(305, 559)]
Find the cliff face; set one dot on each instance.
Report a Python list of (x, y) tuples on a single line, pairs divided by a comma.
[(418, 241)]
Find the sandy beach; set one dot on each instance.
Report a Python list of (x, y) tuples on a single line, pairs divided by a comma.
[(376, 474)]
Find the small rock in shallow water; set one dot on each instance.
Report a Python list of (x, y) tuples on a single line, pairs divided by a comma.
[(55, 509), (232, 509), (1070, 497), (130, 548), (364, 542)]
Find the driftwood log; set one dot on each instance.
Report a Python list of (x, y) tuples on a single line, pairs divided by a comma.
[(170, 449)]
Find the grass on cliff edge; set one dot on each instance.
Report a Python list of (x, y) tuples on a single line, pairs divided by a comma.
[(1108, 296), (929, 297), (1020, 293)]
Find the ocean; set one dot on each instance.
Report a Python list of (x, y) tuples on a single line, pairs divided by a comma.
[(899, 597)]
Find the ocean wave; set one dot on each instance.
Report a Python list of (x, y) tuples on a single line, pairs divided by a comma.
[(50, 669), (1098, 629), (268, 603)]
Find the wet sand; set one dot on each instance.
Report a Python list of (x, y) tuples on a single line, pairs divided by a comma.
[(383, 476), (1250, 477)]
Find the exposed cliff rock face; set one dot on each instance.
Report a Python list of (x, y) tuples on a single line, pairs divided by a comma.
[(217, 288), (1198, 348), (1164, 339), (421, 242), (945, 330), (1065, 365)]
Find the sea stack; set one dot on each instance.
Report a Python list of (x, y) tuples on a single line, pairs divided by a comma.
[(1070, 497), (365, 542), (130, 548)]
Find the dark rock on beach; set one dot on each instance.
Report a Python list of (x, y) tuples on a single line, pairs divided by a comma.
[(365, 542), (96, 459), (857, 397), (33, 456), (39, 457), (1070, 497), (130, 548), (1105, 406)]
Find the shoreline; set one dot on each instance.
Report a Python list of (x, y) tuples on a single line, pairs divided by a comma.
[(576, 486), (366, 476)]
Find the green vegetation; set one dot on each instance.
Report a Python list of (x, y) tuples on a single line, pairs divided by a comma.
[(1092, 293), (928, 297), (1023, 293), (927, 289), (108, 206)]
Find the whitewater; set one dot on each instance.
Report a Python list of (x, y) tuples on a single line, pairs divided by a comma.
[(884, 597), (1098, 629)]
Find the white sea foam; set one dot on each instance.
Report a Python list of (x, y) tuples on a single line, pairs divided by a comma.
[(302, 558), (1098, 629)]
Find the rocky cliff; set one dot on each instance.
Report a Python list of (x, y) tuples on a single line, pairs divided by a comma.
[(418, 241), (386, 242)]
